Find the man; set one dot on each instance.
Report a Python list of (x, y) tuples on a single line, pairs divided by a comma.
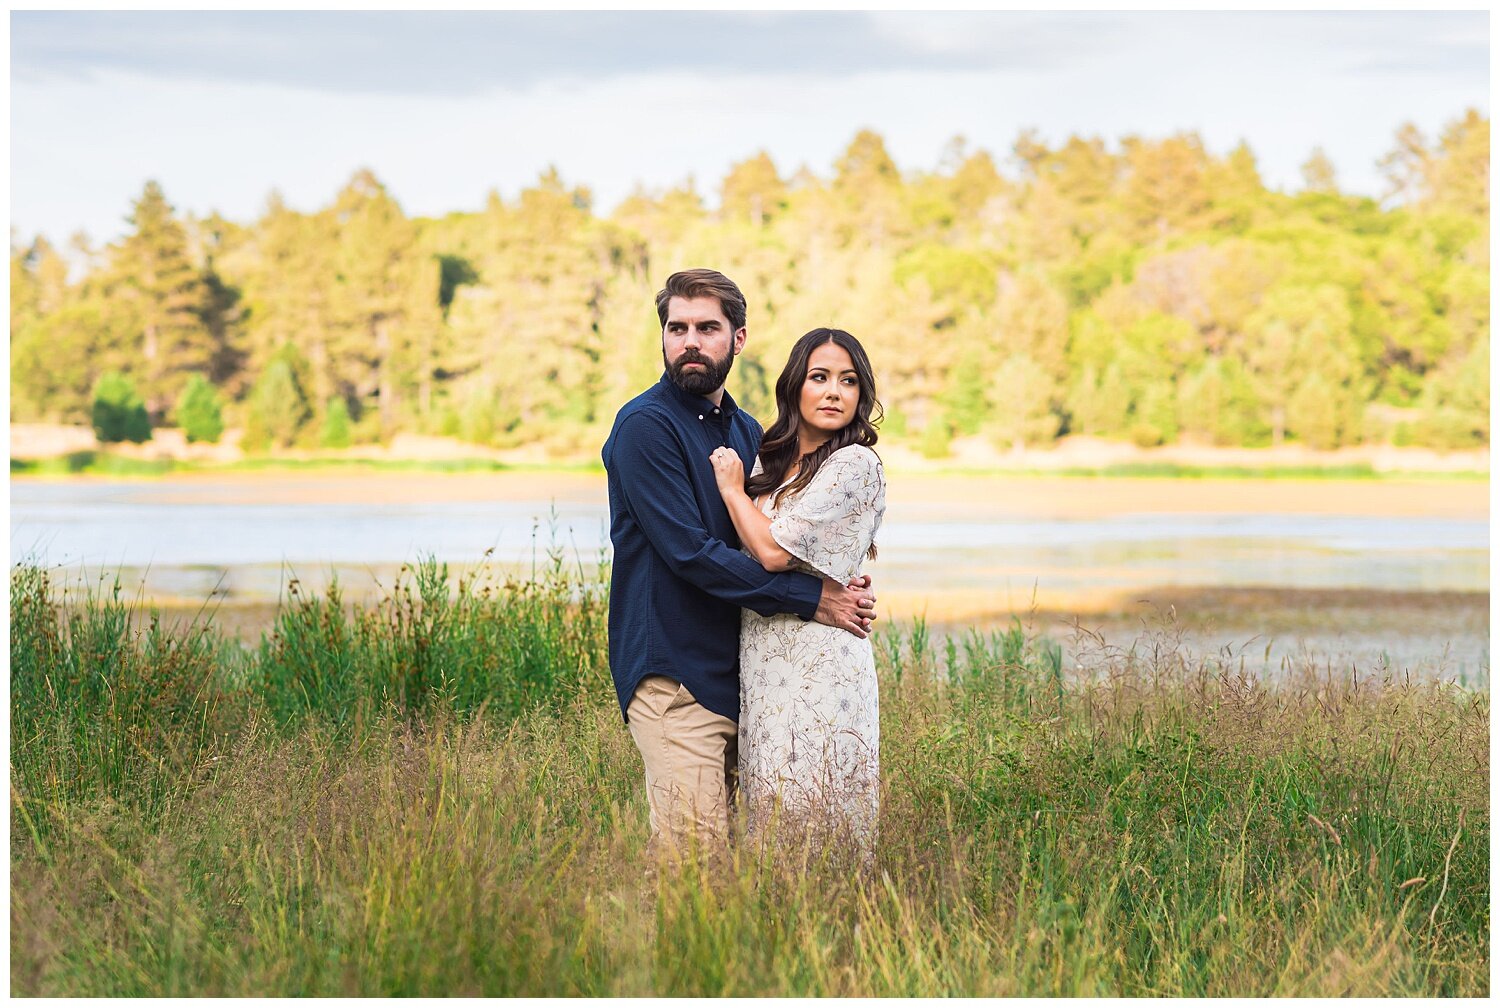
[(679, 579)]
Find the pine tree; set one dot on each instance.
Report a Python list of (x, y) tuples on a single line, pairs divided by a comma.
[(385, 298), (1318, 174), (752, 191), (167, 298), (278, 407), (335, 432), (200, 411)]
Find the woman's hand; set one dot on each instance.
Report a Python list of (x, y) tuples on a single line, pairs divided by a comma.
[(729, 471)]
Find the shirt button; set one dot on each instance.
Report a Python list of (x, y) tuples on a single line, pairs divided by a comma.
[(700, 416)]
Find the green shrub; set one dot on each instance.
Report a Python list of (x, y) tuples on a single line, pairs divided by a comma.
[(278, 407), (200, 411), (118, 413), (336, 431)]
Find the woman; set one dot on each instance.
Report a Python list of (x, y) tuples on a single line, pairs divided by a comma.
[(809, 738)]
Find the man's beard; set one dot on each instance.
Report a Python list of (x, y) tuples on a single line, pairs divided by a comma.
[(698, 381)]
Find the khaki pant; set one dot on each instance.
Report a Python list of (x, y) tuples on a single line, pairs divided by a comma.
[(690, 755)]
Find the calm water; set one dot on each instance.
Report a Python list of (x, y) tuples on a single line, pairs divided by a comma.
[(160, 526), (164, 535)]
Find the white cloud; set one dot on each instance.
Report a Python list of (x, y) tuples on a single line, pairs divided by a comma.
[(82, 148)]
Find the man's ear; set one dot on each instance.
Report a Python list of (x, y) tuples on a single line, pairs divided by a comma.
[(739, 340)]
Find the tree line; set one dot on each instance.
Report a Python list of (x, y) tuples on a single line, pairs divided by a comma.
[(1146, 290)]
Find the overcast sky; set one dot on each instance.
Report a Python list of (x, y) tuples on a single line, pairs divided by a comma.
[(221, 108)]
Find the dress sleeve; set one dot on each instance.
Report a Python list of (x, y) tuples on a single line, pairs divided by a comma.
[(832, 522)]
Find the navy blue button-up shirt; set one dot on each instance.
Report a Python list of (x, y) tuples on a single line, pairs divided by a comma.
[(679, 580)]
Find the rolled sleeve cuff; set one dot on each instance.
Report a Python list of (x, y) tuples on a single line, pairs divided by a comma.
[(803, 594)]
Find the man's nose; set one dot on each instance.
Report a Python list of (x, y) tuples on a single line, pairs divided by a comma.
[(692, 338)]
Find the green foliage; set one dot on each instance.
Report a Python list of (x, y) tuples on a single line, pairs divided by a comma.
[(167, 296), (937, 440), (278, 406), (955, 276), (1455, 403), (118, 413), (200, 411), (1021, 413), (1218, 403), (1146, 277), (376, 803), (965, 403), (115, 707), (335, 432)]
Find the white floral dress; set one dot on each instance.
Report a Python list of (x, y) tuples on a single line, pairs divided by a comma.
[(809, 738)]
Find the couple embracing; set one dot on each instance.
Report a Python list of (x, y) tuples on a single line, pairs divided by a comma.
[(739, 621)]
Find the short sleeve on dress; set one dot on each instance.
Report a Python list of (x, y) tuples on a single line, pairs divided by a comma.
[(832, 522)]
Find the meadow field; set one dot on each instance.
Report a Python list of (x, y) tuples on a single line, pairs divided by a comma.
[(433, 793)]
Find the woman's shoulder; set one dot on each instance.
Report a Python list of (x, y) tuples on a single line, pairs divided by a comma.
[(857, 456)]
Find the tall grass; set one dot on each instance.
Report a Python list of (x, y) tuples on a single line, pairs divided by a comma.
[(436, 796)]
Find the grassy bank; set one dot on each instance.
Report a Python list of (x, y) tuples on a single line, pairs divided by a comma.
[(112, 464), (435, 795), (1180, 470)]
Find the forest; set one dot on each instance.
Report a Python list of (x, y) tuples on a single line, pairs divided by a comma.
[(1145, 290)]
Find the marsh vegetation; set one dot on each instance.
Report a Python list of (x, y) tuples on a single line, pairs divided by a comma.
[(433, 794)]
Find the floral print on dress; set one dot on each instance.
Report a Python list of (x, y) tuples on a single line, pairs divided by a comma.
[(809, 714)]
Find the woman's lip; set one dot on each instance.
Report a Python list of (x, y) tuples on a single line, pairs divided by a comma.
[(828, 409)]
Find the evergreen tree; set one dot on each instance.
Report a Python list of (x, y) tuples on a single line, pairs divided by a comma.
[(166, 296), (1021, 393), (1160, 288), (335, 432), (382, 288), (278, 407), (1318, 173), (118, 413), (752, 191), (200, 411)]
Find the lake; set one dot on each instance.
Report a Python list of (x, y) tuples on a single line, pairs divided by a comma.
[(952, 547)]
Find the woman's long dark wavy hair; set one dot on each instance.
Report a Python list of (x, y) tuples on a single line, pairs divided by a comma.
[(778, 449)]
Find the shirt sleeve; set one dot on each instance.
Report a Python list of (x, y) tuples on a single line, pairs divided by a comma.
[(831, 523), (654, 479)]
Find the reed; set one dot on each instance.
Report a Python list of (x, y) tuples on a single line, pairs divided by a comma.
[(435, 795)]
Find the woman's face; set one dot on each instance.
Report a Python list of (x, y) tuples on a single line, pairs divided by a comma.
[(830, 392)]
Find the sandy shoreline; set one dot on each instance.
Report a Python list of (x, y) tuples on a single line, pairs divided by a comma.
[(1001, 496), (1258, 630), (1248, 608)]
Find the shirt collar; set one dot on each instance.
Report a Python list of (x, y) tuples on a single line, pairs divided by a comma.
[(696, 403)]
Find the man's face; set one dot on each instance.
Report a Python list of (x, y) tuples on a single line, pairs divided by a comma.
[(697, 345)]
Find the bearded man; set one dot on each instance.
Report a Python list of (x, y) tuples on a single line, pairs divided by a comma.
[(679, 578)]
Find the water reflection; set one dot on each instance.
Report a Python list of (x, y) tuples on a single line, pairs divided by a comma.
[(184, 540)]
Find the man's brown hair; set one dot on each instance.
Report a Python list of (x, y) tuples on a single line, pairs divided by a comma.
[(696, 283)]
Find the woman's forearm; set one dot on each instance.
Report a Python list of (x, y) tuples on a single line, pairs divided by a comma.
[(754, 529)]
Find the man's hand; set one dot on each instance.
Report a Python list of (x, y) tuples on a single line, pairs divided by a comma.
[(849, 607)]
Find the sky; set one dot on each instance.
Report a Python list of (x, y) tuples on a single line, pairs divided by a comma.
[(223, 108)]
